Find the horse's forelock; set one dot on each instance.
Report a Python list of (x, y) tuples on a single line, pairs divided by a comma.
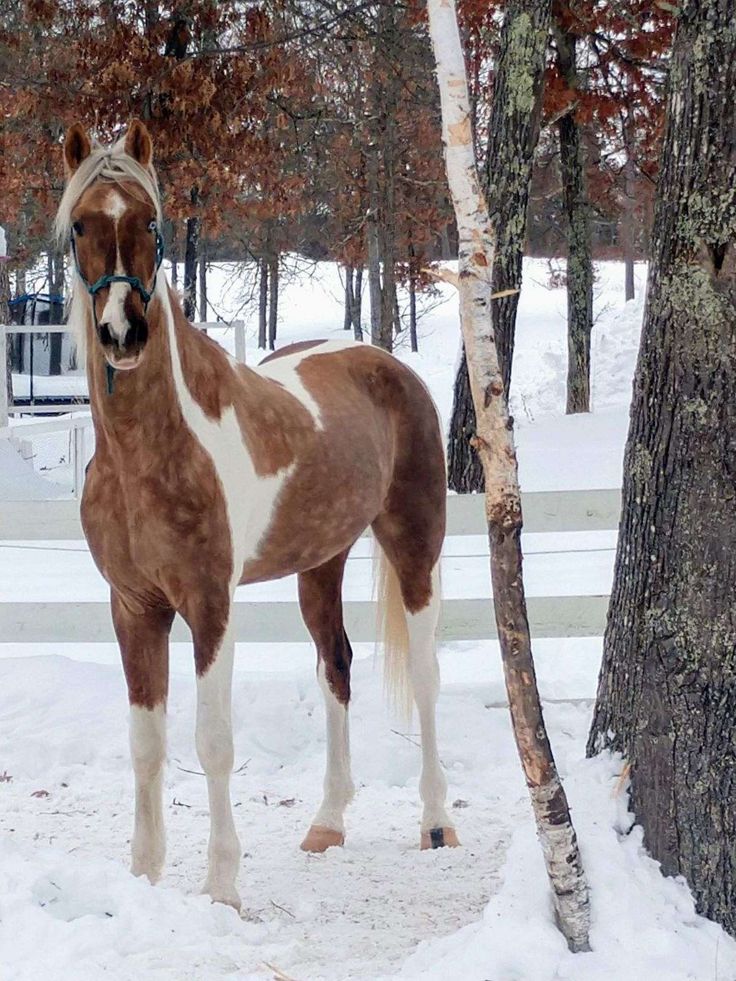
[(112, 165)]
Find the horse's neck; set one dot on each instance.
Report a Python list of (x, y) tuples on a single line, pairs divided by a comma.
[(144, 404)]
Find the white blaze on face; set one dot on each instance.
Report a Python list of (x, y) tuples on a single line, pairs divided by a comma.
[(113, 313)]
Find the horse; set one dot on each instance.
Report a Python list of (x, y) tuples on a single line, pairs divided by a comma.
[(208, 474)]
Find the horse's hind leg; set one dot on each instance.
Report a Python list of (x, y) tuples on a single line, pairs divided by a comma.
[(415, 573), (321, 604), (144, 646)]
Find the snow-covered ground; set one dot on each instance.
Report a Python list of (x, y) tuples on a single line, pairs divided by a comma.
[(377, 909)]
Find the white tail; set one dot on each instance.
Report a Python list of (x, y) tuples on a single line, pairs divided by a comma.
[(393, 631)]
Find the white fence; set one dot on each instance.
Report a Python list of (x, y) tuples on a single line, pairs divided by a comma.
[(462, 619)]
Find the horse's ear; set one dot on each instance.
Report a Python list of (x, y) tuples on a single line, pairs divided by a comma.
[(77, 147), (138, 143)]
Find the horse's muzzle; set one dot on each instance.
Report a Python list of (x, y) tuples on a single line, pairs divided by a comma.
[(126, 353)]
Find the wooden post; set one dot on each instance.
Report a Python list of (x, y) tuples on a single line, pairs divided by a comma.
[(495, 444)]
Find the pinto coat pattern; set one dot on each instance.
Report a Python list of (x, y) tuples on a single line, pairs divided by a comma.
[(208, 474)]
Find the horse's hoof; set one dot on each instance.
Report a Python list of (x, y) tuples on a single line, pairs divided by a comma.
[(319, 839), (226, 896), (439, 838)]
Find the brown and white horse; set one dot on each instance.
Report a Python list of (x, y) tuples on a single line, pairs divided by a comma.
[(207, 474)]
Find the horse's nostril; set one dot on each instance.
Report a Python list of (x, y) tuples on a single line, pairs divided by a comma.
[(137, 334), (104, 334)]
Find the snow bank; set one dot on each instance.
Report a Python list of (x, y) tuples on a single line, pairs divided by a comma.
[(644, 925)]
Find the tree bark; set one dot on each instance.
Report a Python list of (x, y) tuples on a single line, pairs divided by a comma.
[(513, 136), (273, 300), (503, 500), (667, 689), (579, 258)]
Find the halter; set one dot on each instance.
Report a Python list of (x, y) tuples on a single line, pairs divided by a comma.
[(133, 281), (145, 295)]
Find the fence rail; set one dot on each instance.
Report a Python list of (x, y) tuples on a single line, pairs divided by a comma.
[(544, 511), (462, 619)]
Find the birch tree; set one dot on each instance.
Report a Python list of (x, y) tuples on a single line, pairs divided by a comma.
[(503, 503)]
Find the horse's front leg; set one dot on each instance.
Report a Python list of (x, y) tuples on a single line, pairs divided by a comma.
[(144, 645), (214, 664)]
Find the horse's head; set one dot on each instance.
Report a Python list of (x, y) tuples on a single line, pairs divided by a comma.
[(111, 210)]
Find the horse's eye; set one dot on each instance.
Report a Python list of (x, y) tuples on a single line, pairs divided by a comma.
[(78, 228), (152, 227)]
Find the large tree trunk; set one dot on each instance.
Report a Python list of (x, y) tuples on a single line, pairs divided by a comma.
[(503, 500), (579, 258), (667, 690), (513, 136)]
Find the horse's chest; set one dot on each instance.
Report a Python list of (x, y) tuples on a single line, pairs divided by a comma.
[(150, 533)]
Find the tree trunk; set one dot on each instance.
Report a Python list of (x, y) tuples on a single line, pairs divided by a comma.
[(191, 256), (513, 133), (203, 288), (667, 689), (347, 321), (357, 311), (413, 305), (513, 137), (579, 259), (273, 300), (263, 304), (373, 249), (464, 469), (6, 346), (628, 224), (503, 500)]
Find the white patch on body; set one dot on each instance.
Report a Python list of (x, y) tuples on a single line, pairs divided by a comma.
[(284, 371), (148, 752), (338, 785), (249, 499)]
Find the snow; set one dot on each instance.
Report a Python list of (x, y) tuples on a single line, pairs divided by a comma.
[(378, 908)]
